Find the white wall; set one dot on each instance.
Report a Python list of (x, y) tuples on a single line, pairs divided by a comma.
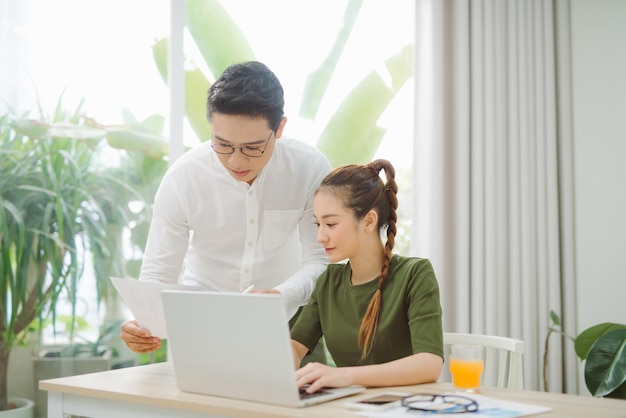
[(599, 108)]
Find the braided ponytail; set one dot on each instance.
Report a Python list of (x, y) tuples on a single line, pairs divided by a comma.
[(386, 207)]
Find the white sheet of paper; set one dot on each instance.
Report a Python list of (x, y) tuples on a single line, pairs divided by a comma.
[(143, 298), (488, 407)]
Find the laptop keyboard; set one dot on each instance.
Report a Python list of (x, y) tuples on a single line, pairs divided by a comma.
[(305, 395)]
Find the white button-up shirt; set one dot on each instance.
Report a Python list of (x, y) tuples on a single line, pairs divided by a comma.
[(211, 230)]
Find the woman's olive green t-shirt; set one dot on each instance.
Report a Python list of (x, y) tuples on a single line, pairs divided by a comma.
[(409, 322)]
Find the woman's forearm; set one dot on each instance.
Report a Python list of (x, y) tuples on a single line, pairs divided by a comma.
[(411, 370), (299, 351)]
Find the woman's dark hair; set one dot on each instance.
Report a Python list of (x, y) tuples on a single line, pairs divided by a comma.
[(248, 89), (361, 189)]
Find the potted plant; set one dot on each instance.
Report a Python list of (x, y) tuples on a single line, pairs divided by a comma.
[(81, 356), (51, 210), (125, 166), (603, 348)]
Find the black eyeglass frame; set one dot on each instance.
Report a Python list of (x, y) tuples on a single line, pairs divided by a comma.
[(241, 148), (471, 406)]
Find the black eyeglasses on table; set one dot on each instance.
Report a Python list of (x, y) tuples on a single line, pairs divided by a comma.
[(439, 404)]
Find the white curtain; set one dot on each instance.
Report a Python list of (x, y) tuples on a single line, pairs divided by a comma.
[(493, 173)]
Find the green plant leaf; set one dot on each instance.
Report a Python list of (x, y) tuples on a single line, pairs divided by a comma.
[(605, 368), (218, 38), (221, 44), (153, 124), (317, 81), (196, 87), (585, 340), (154, 146), (619, 393), (555, 318), (38, 129), (351, 135)]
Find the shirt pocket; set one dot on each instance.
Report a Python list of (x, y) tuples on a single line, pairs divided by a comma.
[(280, 227)]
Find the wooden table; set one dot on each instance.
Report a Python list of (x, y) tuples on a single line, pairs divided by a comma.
[(150, 391)]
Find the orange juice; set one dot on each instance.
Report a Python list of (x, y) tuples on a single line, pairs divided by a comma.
[(466, 373)]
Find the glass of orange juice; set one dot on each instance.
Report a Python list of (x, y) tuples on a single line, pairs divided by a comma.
[(466, 366)]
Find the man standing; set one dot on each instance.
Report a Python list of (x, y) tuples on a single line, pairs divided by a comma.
[(236, 211)]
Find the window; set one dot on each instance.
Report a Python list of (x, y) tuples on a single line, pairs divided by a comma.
[(101, 52)]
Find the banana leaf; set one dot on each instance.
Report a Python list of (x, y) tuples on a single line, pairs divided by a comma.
[(196, 87), (218, 38), (221, 44), (351, 135), (318, 80)]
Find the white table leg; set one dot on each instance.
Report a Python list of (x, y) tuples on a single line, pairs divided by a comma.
[(55, 405)]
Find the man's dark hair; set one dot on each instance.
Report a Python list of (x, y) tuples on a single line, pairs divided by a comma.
[(247, 89)]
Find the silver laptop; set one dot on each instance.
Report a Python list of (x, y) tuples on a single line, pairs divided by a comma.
[(237, 346)]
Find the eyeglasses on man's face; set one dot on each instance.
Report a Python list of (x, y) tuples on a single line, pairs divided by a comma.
[(253, 151), (440, 404)]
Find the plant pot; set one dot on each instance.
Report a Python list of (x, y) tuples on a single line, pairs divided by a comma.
[(25, 409), (21, 373)]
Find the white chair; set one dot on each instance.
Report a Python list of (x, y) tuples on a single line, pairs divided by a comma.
[(503, 358)]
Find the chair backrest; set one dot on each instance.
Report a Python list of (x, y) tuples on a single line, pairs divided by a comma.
[(503, 358)]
